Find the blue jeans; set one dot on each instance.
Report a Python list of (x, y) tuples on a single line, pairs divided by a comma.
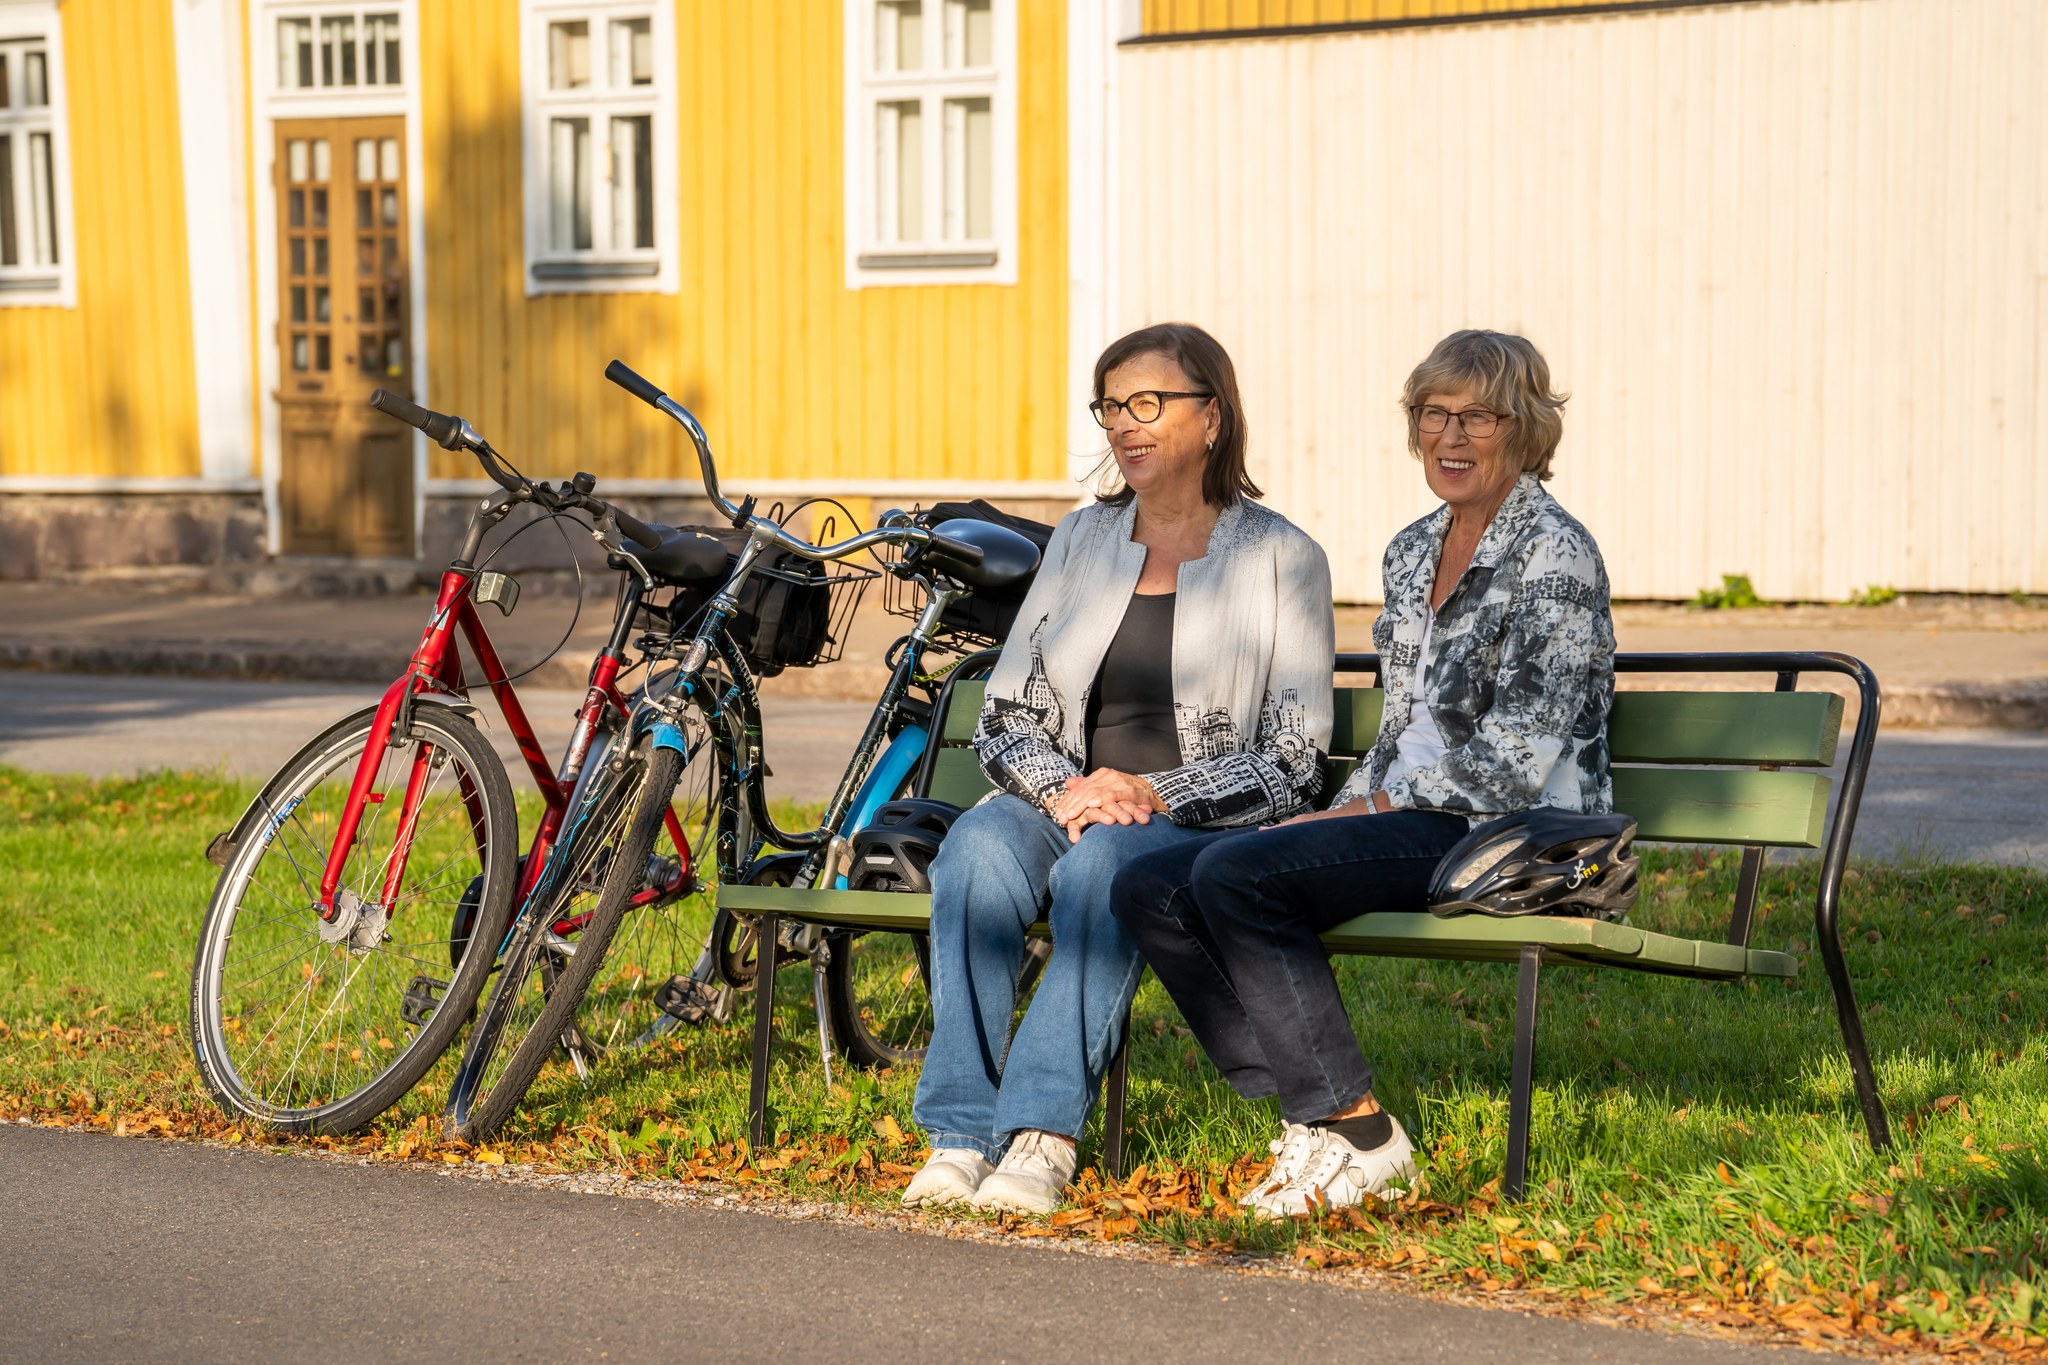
[(1001, 866), (1230, 925)]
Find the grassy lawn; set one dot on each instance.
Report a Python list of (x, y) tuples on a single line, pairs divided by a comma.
[(1697, 1152)]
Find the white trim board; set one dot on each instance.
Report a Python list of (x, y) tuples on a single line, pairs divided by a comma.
[(208, 37)]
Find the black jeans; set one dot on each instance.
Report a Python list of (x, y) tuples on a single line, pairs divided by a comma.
[(1230, 924)]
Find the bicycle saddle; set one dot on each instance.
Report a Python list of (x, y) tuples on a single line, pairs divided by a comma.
[(685, 555), (1007, 558)]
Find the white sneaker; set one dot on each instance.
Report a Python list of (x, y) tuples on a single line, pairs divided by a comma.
[(1339, 1176), (951, 1175), (1033, 1177), (1291, 1151)]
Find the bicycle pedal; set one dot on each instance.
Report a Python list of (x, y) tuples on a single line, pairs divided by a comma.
[(687, 1000), (423, 995)]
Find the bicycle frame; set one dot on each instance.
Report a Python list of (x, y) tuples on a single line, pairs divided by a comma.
[(435, 670)]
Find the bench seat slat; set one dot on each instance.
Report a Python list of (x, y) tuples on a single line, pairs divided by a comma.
[(1463, 938)]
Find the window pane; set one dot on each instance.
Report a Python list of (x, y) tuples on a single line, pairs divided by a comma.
[(298, 255), (298, 303), (42, 190), (10, 249), (320, 256), (366, 161), (323, 354), (569, 184), (368, 346), (569, 55), (394, 354), (319, 208), (363, 214), (338, 50), (899, 171), (632, 52), (294, 54), (299, 351), (633, 182), (387, 159), (295, 209), (899, 35), (322, 308), (323, 167), (296, 162), (970, 33), (969, 171), (388, 199), (380, 49), (366, 305), (35, 79), (4, 61)]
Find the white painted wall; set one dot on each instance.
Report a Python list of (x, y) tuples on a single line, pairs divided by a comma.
[(1790, 258)]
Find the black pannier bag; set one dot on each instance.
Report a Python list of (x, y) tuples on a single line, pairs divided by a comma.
[(785, 607), (988, 614)]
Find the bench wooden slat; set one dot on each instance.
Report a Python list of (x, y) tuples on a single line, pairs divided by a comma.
[(1791, 729), (957, 777), (1356, 721), (1725, 806), (1462, 938), (963, 710)]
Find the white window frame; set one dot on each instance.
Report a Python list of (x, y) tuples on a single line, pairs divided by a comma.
[(871, 263), (603, 268), (31, 286), (266, 54)]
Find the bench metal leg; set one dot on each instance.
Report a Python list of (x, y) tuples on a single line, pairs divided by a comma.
[(766, 937), (1852, 1041), (1522, 1084), (1113, 1106)]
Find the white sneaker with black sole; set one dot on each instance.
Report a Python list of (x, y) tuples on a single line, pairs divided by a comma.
[(951, 1175), (1033, 1177), (1338, 1175), (1292, 1151)]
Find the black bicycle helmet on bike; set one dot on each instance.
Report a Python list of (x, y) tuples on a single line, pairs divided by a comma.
[(1541, 862), (894, 851)]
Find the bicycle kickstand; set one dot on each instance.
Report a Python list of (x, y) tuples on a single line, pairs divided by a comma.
[(821, 957)]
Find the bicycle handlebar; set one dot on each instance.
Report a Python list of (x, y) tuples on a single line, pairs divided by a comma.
[(649, 393)]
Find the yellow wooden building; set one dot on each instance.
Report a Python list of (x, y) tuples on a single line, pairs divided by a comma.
[(876, 245)]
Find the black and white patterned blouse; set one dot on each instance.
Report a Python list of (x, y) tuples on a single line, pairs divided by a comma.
[(1252, 644), (1522, 669)]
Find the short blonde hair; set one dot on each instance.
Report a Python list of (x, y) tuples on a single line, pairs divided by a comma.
[(1510, 376)]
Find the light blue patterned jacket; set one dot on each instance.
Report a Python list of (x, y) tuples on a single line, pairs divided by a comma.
[(1253, 636), (1523, 673)]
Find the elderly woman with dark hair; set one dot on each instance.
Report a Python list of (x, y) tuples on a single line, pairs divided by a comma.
[(1168, 673), (1497, 651)]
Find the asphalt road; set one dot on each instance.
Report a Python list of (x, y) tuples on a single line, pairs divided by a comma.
[(127, 1249), (1979, 795)]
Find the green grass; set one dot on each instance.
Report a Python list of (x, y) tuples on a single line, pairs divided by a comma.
[(1696, 1151)]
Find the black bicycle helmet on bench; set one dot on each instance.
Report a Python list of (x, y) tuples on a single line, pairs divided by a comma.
[(894, 851), (1541, 862)]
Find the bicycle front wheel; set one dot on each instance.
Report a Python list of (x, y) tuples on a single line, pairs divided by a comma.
[(307, 1025), (557, 994)]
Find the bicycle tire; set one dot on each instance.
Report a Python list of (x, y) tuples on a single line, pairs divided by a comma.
[(878, 994), (333, 1080), (650, 778)]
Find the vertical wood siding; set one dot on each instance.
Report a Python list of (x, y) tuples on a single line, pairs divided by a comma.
[(105, 389), (794, 375), (1791, 260)]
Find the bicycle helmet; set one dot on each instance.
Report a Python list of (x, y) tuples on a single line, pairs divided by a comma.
[(894, 851), (1541, 862)]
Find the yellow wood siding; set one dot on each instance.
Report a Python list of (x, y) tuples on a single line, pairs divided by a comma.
[(106, 388), (794, 375), (1203, 16)]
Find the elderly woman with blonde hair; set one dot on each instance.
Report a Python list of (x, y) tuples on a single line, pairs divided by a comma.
[(1497, 651)]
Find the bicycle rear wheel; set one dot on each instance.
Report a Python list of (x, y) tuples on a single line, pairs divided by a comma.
[(555, 993), (309, 1026), (877, 988)]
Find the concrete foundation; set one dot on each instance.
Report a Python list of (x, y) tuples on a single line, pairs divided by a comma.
[(66, 535)]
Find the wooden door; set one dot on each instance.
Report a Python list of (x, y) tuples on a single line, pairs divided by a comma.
[(346, 477)]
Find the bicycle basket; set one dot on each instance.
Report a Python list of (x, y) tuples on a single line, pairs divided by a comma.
[(793, 612), (983, 620)]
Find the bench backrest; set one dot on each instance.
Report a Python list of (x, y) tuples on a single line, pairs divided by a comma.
[(1692, 767)]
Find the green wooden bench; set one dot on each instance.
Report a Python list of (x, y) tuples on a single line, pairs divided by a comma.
[(1718, 768)]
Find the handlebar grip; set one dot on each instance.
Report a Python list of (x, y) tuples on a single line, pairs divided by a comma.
[(957, 550), (640, 388), (442, 429)]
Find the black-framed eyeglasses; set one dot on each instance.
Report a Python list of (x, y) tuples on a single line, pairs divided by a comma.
[(1477, 422), (1144, 406)]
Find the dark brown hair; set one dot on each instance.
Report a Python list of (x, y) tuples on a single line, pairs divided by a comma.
[(1207, 365)]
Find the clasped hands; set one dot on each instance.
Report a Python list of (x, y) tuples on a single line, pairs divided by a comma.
[(1104, 797)]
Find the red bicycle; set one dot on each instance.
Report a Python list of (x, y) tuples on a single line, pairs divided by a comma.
[(364, 895)]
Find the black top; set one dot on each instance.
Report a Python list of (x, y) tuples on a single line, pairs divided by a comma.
[(1130, 708)]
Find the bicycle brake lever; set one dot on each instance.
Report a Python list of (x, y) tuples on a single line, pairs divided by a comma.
[(606, 533)]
